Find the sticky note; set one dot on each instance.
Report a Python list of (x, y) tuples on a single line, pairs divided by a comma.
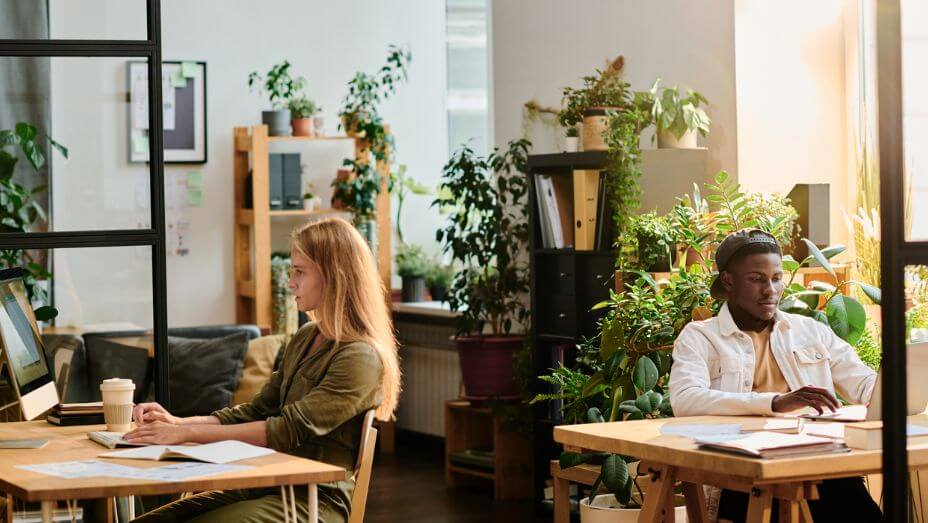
[(194, 180), (140, 144), (178, 80), (194, 196), (188, 69)]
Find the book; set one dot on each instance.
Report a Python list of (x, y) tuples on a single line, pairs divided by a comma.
[(218, 453), (112, 440), (543, 220), (79, 408), (554, 216), (783, 425), (771, 445), (586, 186), (869, 435), (69, 420), (563, 196)]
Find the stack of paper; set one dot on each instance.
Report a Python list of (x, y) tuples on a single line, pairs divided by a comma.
[(769, 445), (90, 469), (218, 452)]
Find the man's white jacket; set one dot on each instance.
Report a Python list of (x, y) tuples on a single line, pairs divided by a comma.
[(713, 365)]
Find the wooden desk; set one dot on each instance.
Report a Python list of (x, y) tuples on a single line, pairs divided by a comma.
[(71, 444), (669, 459)]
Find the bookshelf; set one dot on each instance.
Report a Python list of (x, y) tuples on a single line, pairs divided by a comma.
[(566, 282), (255, 219)]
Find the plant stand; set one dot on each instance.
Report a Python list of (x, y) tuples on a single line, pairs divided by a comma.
[(471, 427)]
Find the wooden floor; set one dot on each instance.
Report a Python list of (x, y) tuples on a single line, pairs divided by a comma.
[(409, 486)]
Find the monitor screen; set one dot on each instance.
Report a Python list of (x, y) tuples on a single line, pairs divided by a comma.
[(21, 340)]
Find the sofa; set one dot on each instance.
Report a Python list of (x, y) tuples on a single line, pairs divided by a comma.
[(207, 364)]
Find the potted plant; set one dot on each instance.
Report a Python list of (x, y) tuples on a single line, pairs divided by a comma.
[(360, 118), (677, 118), (439, 279), (601, 92), (302, 110), (20, 211), (413, 266), (573, 139), (486, 236), (280, 87)]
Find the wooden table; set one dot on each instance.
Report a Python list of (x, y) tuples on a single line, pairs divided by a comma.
[(71, 444), (669, 459)]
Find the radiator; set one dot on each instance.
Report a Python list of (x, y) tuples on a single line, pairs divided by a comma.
[(431, 376)]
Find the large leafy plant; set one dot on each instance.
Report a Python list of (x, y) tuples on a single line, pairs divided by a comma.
[(18, 209), (360, 117), (648, 241), (486, 235), (624, 370), (670, 111), (824, 301)]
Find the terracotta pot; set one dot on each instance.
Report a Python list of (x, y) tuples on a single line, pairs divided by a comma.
[(486, 364), (594, 125), (302, 126)]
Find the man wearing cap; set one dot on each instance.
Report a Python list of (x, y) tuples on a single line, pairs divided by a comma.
[(753, 359)]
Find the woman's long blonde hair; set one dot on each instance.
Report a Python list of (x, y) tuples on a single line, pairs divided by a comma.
[(354, 300)]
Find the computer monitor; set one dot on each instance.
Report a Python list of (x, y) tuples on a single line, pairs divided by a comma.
[(916, 386), (21, 348)]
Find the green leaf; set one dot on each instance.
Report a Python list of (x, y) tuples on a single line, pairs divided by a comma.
[(34, 155), (46, 313), (593, 415), (822, 286), (643, 403), (847, 317), (644, 375), (572, 459), (624, 495), (789, 264), (8, 137), (613, 364), (64, 150), (821, 317), (615, 473), (656, 399), (794, 305), (589, 388), (7, 165), (610, 340), (819, 257), (833, 250), (26, 132), (874, 293)]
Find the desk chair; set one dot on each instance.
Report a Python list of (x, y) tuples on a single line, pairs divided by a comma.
[(362, 470)]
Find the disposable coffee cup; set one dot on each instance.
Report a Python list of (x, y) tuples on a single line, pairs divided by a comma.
[(117, 404)]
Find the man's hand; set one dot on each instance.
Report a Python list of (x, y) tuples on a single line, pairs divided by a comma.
[(815, 397), (158, 433), (145, 413)]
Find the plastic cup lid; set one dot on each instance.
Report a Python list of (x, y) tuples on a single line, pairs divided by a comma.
[(117, 384)]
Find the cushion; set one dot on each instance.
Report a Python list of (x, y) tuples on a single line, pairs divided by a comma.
[(205, 372), (259, 364)]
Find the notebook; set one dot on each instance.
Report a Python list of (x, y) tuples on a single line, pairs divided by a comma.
[(770, 445), (846, 413), (112, 440), (218, 452)]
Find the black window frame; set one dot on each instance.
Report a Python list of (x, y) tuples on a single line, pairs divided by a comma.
[(896, 252), (154, 236)]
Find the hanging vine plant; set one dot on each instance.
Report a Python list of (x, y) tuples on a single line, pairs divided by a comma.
[(623, 169), (360, 118)]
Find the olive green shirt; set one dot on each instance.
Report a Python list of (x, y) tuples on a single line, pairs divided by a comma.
[(314, 405)]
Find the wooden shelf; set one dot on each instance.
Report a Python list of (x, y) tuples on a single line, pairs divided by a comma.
[(253, 217)]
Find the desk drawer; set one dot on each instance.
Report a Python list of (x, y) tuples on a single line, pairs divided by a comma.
[(598, 276), (555, 274), (558, 316)]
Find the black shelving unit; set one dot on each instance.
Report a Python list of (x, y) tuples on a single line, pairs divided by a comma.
[(149, 49), (565, 284)]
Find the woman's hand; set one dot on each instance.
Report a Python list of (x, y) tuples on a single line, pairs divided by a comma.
[(145, 413), (159, 433)]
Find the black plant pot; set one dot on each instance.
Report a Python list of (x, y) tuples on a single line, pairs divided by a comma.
[(438, 292), (413, 289)]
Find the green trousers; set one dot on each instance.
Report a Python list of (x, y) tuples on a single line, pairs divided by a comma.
[(244, 506)]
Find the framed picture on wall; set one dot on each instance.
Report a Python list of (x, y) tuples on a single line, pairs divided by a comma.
[(183, 87)]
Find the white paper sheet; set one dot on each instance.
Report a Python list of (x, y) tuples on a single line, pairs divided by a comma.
[(218, 452), (693, 431), (93, 468), (828, 430)]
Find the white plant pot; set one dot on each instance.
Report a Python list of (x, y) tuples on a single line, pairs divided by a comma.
[(667, 140), (605, 509), (573, 144), (311, 204)]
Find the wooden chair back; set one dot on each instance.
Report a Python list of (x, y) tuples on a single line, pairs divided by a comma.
[(362, 470)]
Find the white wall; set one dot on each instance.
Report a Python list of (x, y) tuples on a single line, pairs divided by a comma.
[(790, 61), (540, 47), (327, 42)]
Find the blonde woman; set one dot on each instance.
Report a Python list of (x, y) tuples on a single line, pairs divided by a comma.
[(337, 367)]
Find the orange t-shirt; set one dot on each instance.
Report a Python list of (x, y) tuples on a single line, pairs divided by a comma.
[(767, 374)]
